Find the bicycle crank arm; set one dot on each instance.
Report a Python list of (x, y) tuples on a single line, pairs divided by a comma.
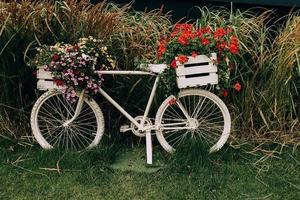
[(77, 111)]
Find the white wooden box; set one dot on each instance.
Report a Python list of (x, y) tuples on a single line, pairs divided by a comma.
[(45, 81), (198, 71)]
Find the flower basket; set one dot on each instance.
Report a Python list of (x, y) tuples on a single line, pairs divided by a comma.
[(71, 67), (193, 53), (45, 80), (200, 70)]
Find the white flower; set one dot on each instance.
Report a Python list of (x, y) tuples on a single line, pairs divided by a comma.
[(86, 57)]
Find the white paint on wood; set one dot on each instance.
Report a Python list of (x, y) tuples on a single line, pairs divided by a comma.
[(42, 74), (182, 71), (206, 71), (46, 85), (196, 59), (183, 82)]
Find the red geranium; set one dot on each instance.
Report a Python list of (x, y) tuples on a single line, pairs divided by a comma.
[(205, 41), (182, 59), (183, 40), (234, 42), (181, 27), (233, 49), (173, 64), (238, 86), (161, 48), (219, 33), (205, 30)]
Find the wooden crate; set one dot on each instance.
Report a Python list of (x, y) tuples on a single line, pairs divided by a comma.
[(45, 81), (198, 71)]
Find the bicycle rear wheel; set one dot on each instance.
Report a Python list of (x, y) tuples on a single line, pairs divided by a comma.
[(52, 110), (210, 120)]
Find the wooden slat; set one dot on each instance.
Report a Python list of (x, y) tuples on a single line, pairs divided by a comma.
[(46, 85), (41, 66), (181, 70), (197, 59), (183, 82), (42, 74)]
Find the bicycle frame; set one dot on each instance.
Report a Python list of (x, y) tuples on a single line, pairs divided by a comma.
[(141, 125)]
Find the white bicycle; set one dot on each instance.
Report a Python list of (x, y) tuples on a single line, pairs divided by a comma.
[(193, 114)]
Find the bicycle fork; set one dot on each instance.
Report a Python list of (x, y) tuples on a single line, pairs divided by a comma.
[(77, 111)]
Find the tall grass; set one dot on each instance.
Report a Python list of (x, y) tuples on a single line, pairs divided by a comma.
[(267, 109)]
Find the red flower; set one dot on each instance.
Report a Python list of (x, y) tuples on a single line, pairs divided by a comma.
[(194, 54), (55, 57), (234, 40), (59, 82), (161, 51), (172, 101), (185, 36), (225, 93), (161, 48), (205, 30), (205, 41), (181, 27), (182, 40), (182, 59), (220, 32), (238, 86), (199, 34), (173, 64), (234, 43), (233, 49), (222, 45)]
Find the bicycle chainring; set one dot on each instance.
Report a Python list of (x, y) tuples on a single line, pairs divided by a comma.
[(134, 128)]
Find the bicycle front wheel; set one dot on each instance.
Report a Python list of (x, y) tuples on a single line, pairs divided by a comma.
[(209, 121), (52, 110)]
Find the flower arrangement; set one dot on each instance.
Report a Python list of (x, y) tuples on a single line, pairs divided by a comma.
[(185, 40), (73, 66)]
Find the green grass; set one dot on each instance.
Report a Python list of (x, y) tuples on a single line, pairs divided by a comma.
[(230, 174)]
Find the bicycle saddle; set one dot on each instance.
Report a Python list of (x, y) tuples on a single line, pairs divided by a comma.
[(157, 68)]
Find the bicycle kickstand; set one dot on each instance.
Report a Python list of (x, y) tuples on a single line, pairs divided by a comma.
[(149, 147)]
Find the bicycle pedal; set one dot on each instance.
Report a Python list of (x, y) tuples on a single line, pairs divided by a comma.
[(124, 128)]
